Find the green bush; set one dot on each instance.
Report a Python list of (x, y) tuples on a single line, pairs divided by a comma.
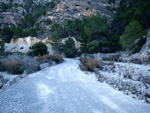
[(18, 32), (2, 48), (39, 49), (52, 5), (7, 34), (56, 41), (48, 21), (139, 9), (38, 68), (32, 32), (55, 27), (37, 26), (4, 6), (1, 67), (111, 1), (95, 35), (69, 48), (44, 12), (18, 70), (132, 32)]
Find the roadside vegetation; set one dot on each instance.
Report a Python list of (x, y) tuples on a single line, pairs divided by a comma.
[(19, 63)]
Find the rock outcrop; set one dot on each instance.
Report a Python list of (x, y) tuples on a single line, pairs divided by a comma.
[(9, 18), (77, 44), (23, 2), (76, 9), (23, 44)]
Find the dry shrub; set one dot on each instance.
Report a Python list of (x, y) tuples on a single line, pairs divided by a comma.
[(84, 60), (42, 59), (82, 67), (29, 64), (57, 58), (48, 58), (112, 57), (11, 65), (100, 64), (136, 61), (115, 57), (109, 63), (91, 64)]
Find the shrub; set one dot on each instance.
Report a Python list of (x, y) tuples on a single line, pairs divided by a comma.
[(48, 21), (18, 32), (69, 48), (39, 49), (43, 59), (136, 60), (91, 64), (47, 58), (18, 70), (56, 41), (114, 57), (83, 60), (52, 5), (1, 67), (133, 32), (7, 34), (38, 68), (12, 65), (57, 58), (44, 12), (4, 6), (2, 47), (82, 67), (29, 64), (32, 32)]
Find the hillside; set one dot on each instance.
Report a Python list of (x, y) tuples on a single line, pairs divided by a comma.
[(56, 44), (16, 11)]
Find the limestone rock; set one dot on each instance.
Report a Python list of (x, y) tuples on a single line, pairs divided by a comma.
[(8, 18), (23, 44), (77, 44)]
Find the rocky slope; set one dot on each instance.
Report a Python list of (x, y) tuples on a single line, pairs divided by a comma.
[(23, 2), (64, 10), (23, 44), (61, 13), (77, 9)]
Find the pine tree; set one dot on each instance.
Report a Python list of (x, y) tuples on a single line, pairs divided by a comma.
[(69, 48), (132, 32)]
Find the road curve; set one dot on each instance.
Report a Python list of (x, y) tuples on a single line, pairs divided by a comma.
[(64, 88)]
